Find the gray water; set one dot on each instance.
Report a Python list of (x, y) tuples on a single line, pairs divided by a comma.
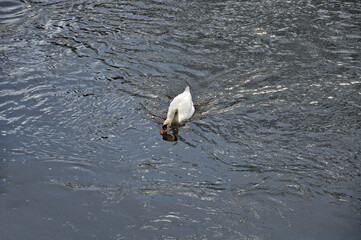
[(272, 152)]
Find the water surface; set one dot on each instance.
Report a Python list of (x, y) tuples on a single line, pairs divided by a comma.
[(272, 152)]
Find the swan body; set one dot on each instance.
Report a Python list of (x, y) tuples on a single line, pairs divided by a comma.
[(180, 109)]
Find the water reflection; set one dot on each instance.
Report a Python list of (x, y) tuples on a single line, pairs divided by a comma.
[(171, 137)]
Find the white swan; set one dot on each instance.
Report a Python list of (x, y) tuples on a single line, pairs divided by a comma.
[(180, 109)]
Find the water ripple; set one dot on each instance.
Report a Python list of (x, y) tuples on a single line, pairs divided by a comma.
[(12, 11)]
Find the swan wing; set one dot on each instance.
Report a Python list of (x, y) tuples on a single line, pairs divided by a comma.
[(182, 102)]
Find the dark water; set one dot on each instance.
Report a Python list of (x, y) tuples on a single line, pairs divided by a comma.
[(273, 151)]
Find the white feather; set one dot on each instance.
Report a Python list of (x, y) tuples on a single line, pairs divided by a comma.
[(180, 109)]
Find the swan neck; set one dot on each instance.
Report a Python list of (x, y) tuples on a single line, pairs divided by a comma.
[(171, 115)]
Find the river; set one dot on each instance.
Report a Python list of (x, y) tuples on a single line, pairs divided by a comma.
[(273, 149)]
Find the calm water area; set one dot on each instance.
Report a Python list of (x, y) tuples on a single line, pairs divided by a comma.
[(272, 152)]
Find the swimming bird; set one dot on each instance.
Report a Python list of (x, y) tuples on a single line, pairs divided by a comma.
[(180, 109)]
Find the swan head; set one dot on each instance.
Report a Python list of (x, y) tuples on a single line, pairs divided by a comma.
[(167, 123)]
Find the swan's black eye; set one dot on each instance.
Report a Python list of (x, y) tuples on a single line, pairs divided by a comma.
[(164, 126)]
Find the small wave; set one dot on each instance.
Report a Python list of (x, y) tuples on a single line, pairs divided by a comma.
[(12, 11)]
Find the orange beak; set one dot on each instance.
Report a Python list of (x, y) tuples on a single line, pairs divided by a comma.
[(163, 130)]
